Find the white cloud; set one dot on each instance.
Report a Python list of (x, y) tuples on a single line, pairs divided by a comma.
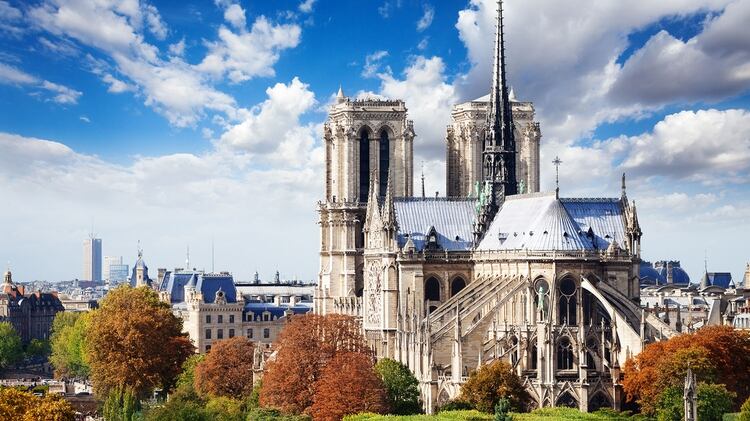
[(235, 15), (273, 128), (423, 43), (84, 119), (116, 86), (373, 63), (178, 48), (61, 94), (61, 46), (243, 55), (10, 19), (306, 6), (426, 20)]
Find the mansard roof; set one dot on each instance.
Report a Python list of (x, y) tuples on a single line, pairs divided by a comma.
[(452, 219), (207, 283), (540, 221)]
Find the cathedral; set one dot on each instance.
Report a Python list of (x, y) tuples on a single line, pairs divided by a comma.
[(495, 270)]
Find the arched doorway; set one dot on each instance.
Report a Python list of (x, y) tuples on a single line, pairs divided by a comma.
[(457, 285), (566, 399)]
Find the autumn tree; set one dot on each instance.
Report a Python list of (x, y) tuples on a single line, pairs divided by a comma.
[(492, 382), (305, 346), (227, 370), (348, 385), (716, 354), (134, 343), (11, 350), (68, 354), (24, 406), (402, 388)]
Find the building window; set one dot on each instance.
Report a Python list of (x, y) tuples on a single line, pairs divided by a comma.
[(265, 317), (208, 333), (250, 333), (385, 150), (208, 318), (221, 319), (567, 307), (220, 334), (231, 333), (564, 354), (364, 164), (266, 333), (208, 348), (432, 289), (231, 318)]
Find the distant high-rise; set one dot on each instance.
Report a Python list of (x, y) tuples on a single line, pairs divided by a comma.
[(108, 262), (92, 259)]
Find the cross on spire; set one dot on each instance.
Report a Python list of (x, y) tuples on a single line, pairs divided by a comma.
[(557, 163)]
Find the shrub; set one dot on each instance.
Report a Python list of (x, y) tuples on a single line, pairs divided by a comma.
[(402, 388)]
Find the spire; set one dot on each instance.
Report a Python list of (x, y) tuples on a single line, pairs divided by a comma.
[(624, 195), (389, 210), (499, 156), (187, 258), (340, 96), (423, 196), (372, 201), (557, 163)]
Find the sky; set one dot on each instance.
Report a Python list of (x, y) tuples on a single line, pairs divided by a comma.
[(198, 123)]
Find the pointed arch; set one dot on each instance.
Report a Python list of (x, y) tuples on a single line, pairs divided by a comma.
[(432, 289), (364, 162), (457, 284), (384, 156)]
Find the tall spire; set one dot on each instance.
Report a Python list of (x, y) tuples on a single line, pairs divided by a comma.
[(422, 179), (389, 209), (499, 156)]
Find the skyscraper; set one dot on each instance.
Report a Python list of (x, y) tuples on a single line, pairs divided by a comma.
[(92, 258)]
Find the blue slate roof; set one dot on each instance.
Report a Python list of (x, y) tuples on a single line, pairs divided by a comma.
[(452, 219), (720, 279), (207, 283), (258, 308), (540, 221)]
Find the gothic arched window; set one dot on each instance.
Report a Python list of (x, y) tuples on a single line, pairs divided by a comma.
[(364, 164), (432, 289), (534, 356), (457, 285), (564, 354), (385, 150), (567, 307)]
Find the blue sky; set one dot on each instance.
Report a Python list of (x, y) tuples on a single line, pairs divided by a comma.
[(184, 123)]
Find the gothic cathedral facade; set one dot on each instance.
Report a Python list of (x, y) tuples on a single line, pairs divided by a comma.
[(495, 270)]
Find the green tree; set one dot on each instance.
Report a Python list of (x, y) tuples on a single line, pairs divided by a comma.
[(121, 405), (713, 401), (501, 410), (68, 347), (177, 410), (11, 350), (185, 385), (745, 411), (224, 409), (402, 388), (38, 348), (490, 383)]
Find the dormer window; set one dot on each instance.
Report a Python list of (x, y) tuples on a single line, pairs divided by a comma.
[(432, 239), (502, 237)]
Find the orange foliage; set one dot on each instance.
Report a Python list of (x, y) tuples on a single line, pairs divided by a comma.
[(17, 405), (717, 354), (305, 346), (348, 385), (134, 342), (227, 369)]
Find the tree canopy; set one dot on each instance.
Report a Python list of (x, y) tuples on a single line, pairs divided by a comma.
[(716, 354), (305, 346), (402, 388), (492, 382), (11, 350), (227, 370), (135, 343), (24, 406), (68, 346), (348, 385)]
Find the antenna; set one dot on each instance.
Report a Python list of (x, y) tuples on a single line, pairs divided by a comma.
[(212, 256), (557, 163)]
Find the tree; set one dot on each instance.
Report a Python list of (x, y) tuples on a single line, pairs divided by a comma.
[(348, 385), (135, 343), (11, 350), (713, 401), (227, 370), (51, 408), (402, 388), (176, 410), (37, 348), (24, 406), (490, 383), (305, 346), (716, 354), (224, 409), (68, 354), (121, 405), (185, 385), (745, 411), (501, 410)]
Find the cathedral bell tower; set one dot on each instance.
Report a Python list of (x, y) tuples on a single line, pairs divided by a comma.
[(499, 156), (366, 142)]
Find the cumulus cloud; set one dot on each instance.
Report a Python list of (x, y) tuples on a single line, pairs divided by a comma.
[(373, 62), (426, 20), (246, 54), (235, 15)]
